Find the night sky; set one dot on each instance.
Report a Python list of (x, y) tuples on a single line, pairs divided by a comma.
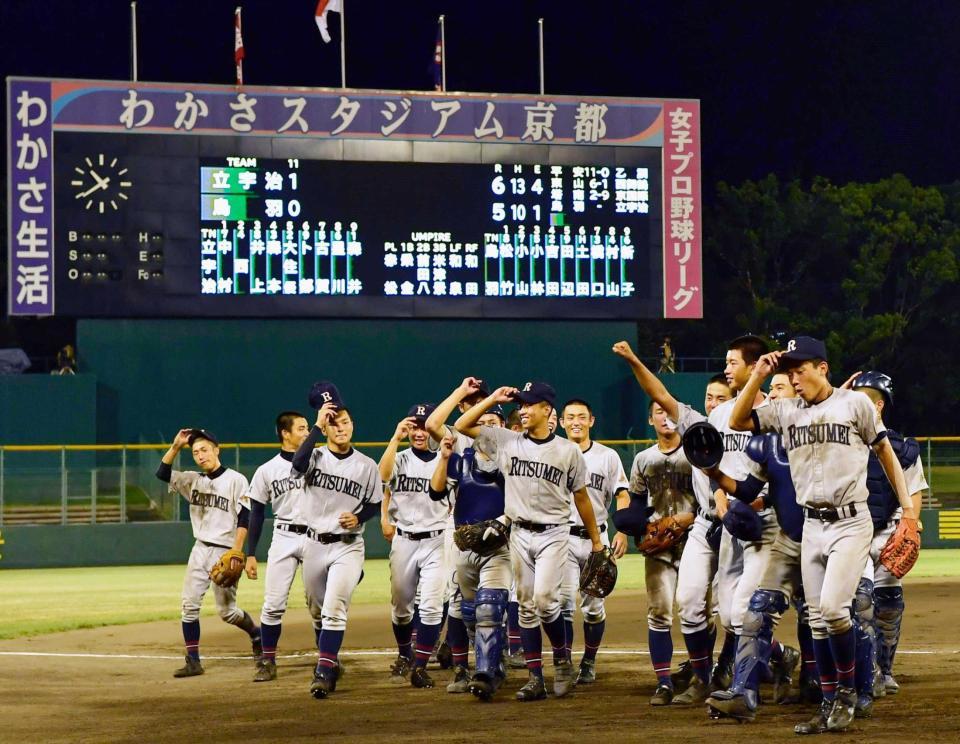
[(851, 91)]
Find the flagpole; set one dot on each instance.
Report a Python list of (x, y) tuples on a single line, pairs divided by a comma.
[(443, 53), (540, 23), (343, 45), (133, 40)]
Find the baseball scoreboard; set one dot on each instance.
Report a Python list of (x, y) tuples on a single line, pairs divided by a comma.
[(152, 200)]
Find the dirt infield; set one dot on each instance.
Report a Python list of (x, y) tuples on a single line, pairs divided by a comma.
[(96, 698)]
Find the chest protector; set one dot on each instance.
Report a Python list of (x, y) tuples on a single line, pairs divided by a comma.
[(479, 493), (767, 449), (882, 500)]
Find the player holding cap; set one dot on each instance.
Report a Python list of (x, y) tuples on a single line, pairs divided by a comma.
[(219, 515), (342, 490), (272, 484), (540, 471), (606, 481), (828, 433), (415, 529), (880, 594)]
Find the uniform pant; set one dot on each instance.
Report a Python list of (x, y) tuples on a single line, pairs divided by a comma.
[(876, 571), (591, 608), (283, 558), (475, 572), (741, 568), (330, 574), (417, 565), (782, 573), (661, 574), (833, 556), (538, 560), (203, 557), (698, 565)]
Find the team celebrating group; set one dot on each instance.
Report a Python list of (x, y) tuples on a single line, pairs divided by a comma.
[(491, 527)]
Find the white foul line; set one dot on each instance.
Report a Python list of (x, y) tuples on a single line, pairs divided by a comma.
[(369, 652)]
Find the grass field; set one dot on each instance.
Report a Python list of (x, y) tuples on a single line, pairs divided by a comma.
[(38, 601)]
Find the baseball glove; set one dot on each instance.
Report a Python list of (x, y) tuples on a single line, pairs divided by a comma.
[(661, 536), (902, 549), (227, 570), (599, 574), (483, 538)]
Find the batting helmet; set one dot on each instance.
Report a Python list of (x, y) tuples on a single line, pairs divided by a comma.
[(703, 445), (878, 381)]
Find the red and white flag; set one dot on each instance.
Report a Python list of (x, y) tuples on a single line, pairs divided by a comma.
[(324, 7), (238, 45)]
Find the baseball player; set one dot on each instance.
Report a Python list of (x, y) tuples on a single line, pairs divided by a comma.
[(781, 582), (342, 490), (661, 482), (606, 482), (827, 433), (540, 472), (414, 525), (272, 484), (483, 581), (739, 566), (879, 600), (219, 516)]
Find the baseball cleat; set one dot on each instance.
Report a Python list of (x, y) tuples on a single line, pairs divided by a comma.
[(481, 687), (533, 690), (843, 710), (321, 686), (420, 678), (461, 681), (864, 706), (400, 670), (192, 668), (729, 705), (663, 695), (562, 678), (445, 656), (587, 674), (879, 690), (890, 684), (695, 694), (817, 724), (783, 671), (257, 646), (680, 679), (516, 661), (266, 671)]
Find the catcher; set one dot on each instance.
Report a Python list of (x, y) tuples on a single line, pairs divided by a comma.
[(661, 511), (482, 559), (219, 514)]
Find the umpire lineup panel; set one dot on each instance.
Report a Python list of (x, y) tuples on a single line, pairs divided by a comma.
[(186, 225)]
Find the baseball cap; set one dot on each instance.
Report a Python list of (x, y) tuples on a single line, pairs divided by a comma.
[(803, 348), (196, 434), (498, 411), (536, 392), (482, 392), (325, 392), (420, 411)]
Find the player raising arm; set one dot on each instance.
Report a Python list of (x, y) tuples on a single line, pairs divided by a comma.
[(828, 434)]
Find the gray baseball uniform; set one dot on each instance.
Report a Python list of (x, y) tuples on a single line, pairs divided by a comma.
[(215, 502), (828, 445), (273, 484)]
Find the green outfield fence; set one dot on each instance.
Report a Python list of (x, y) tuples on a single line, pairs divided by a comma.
[(101, 485)]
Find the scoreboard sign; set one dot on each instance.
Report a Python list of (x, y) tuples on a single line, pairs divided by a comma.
[(140, 200)]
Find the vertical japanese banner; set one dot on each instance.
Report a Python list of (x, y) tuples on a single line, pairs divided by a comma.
[(30, 193), (682, 209)]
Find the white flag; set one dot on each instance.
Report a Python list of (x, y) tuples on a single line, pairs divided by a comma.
[(324, 7)]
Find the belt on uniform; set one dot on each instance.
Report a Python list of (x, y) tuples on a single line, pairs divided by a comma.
[(300, 529), (419, 535), (534, 526), (831, 515), (581, 532), (326, 538), (214, 545)]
